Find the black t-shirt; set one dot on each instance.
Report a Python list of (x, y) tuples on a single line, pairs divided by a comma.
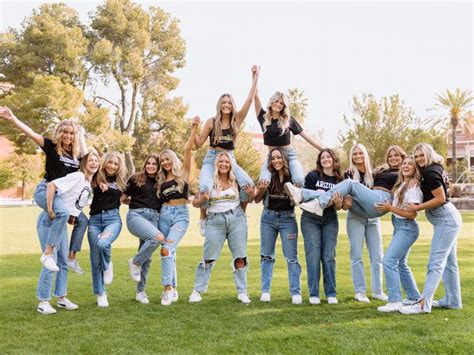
[(386, 178), (106, 200), (278, 201), (273, 136), (317, 181), (57, 166), (145, 196), (433, 176), (224, 141), (169, 191)]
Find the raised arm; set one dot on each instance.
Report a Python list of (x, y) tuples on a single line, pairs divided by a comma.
[(310, 140), (199, 139), (186, 168), (8, 115), (257, 103), (82, 140), (240, 116)]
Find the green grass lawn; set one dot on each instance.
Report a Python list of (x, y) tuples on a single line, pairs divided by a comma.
[(220, 323)]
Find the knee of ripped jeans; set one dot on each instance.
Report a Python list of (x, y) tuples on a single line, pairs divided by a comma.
[(266, 258), (239, 263), (292, 261), (207, 264)]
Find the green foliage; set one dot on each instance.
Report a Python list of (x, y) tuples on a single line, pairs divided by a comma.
[(22, 168), (247, 156), (298, 105), (379, 124)]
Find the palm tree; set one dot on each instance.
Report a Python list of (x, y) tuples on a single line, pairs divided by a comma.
[(454, 105)]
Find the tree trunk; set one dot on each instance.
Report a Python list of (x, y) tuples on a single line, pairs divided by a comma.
[(454, 158), (22, 189), (129, 163)]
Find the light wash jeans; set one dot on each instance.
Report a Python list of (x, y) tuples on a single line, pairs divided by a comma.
[(45, 282), (173, 223), (105, 222), (272, 223), (369, 230), (395, 260), (230, 225), (143, 224), (296, 169), (320, 240), (447, 223), (206, 176), (60, 222)]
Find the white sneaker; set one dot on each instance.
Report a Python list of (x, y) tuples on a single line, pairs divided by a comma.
[(102, 300), (293, 192), (436, 304), (361, 297), (167, 297), (314, 300), (175, 295), (332, 300), (202, 227), (390, 307), (244, 298), (49, 263), (296, 299), (135, 271), (109, 274), (407, 302), (66, 304), (74, 266), (413, 309), (313, 207), (195, 297), (380, 296), (44, 307), (142, 297), (265, 297)]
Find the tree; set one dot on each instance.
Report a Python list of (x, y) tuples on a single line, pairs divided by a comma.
[(379, 124), (454, 107), (298, 105), (20, 167)]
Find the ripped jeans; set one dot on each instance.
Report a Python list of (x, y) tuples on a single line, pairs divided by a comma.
[(173, 223), (272, 223), (230, 225)]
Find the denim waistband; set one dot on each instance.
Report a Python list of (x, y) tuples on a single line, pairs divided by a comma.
[(176, 207), (446, 205), (106, 212), (287, 213), (232, 211), (143, 210)]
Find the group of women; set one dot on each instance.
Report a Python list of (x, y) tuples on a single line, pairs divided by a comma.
[(158, 216)]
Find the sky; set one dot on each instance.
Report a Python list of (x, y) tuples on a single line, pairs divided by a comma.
[(330, 50)]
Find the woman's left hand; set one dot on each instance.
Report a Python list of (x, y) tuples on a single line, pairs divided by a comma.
[(383, 207)]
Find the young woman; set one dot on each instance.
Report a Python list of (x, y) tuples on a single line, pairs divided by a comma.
[(62, 157), (278, 216), (222, 131), (276, 124), (225, 220), (447, 222), (405, 233), (320, 232), (105, 223), (363, 219), (172, 188), (75, 190), (142, 221)]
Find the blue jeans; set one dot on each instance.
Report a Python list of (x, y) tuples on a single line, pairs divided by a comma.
[(364, 199), (272, 223), (60, 222), (320, 240), (358, 230), (395, 261), (107, 224), (173, 223), (45, 282), (206, 176), (447, 222), (296, 169), (143, 224), (230, 225)]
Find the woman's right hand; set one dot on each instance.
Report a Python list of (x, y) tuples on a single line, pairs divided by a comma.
[(103, 186), (51, 214), (6, 114), (262, 185)]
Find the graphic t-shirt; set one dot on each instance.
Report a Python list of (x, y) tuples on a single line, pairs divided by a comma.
[(321, 182), (57, 166), (272, 135), (222, 201), (75, 191), (106, 200)]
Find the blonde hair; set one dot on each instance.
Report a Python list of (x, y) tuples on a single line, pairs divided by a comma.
[(120, 174), (399, 189), (386, 166), (368, 176), (232, 179), (216, 121), (175, 169), (284, 119), (58, 131), (431, 157)]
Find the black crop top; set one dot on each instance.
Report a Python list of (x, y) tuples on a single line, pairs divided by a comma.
[(225, 141), (169, 191), (433, 176), (273, 136), (386, 178)]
